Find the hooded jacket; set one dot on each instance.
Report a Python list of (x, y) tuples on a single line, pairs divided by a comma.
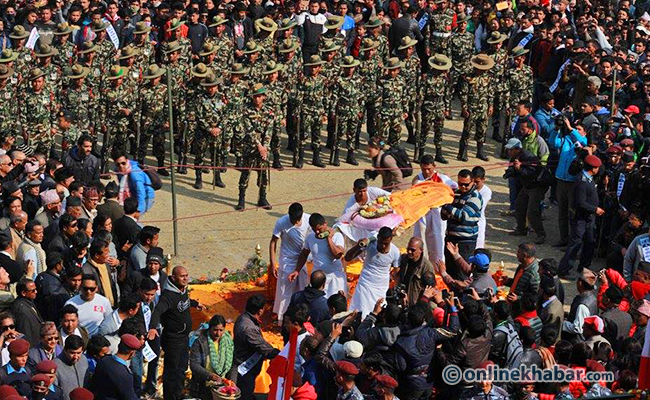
[(376, 337), (317, 302), (85, 169), (173, 311)]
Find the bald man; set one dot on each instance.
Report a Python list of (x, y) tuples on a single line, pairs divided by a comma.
[(5, 166), (17, 223), (412, 268), (173, 312)]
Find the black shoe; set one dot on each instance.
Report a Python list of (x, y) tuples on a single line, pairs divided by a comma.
[(182, 169), (479, 152), (241, 204), (198, 183), (440, 158), (263, 203), (301, 158), (316, 162), (218, 182), (276, 162), (517, 232), (350, 159), (335, 158), (161, 170), (496, 137), (462, 151)]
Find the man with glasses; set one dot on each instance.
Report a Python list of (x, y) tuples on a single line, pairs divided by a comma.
[(46, 350), (91, 306), (5, 168), (28, 319), (8, 334), (133, 183)]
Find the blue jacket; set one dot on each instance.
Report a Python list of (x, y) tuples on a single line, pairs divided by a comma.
[(546, 121), (566, 146), (140, 186)]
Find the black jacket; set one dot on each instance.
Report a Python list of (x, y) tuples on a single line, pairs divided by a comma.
[(585, 198), (14, 269), (173, 311), (317, 302), (84, 169), (113, 380), (401, 27), (28, 320), (51, 295), (125, 230), (530, 169)]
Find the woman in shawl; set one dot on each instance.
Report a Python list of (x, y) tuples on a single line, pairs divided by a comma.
[(210, 357)]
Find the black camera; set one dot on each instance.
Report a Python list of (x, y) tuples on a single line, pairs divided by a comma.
[(396, 295)]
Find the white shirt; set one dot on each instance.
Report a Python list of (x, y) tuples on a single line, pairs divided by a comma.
[(575, 326), (373, 193), (486, 195), (293, 240), (64, 335), (91, 313), (318, 19), (375, 277), (321, 254)]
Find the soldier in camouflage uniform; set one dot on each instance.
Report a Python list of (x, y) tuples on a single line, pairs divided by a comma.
[(223, 43), (433, 105), (334, 34), (292, 74), (183, 42), (210, 116), (440, 28), (8, 105), (24, 58), (276, 100), (370, 72), (105, 49), (330, 72), (132, 82), (479, 106), (118, 103), (76, 97), (374, 27), (286, 31), (44, 54), (208, 56), (154, 116), (313, 112), (87, 58), (411, 74), (37, 112), (179, 74), (65, 55), (193, 96), (235, 91), (349, 108), (67, 125), (256, 69), (257, 122), (266, 28), (519, 85), (146, 53), (500, 57), (393, 108), (461, 47)]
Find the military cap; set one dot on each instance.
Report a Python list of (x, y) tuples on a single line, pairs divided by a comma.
[(5, 72), (207, 49), (141, 28), (496, 37), (77, 71), (35, 74), (153, 71), (286, 23), (368, 44), (374, 22), (251, 47), (334, 22), (271, 67), (314, 60), (81, 394), (217, 20), (116, 72), (99, 26), (130, 341), (386, 381), (210, 80), (518, 51), (238, 69), (393, 63), (171, 47), (8, 56), (288, 45), (200, 70), (18, 347), (349, 62), (614, 149), (174, 24), (128, 52), (266, 24), (346, 367), (258, 89), (482, 62), (462, 18), (46, 367), (45, 50), (19, 32), (407, 42), (593, 161), (6, 391), (87, 47), (40, 380), (329, 46), (440, 62), (62, 29)]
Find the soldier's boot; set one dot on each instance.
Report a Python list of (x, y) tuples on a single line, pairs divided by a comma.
[(335, 158), (217, 180), (439, 157), (238, 162), (357, 137), (182, 168), (350, 159), (462, 150), (224, 163), (300, 152), (479, 152), (162, 171), (411, 137), (316, 162), (262, 202), (495, 133), (241, 204), (198, 182), (276, 161)]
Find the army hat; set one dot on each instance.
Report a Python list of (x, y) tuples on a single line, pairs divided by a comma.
[(141, 28), (5, 72), (440, 62), (393, 63), (200, 70), (45, 50), (8, 56), (207, 49), (368, 44), (217, 20), (35, 73), (349, 62), (62, 29), (77, 71), (266, 24), (314, 61), (174, 24), (374, 22), (407, 42), (117, 72), (99, 26), (19, 32), (153, 71), (496, 37), (329, 46), (272, 67), (482, 62), (462, 18), (87, 47), (171, 47), (258, 89), (128, 52), (251, 47), (334, 22), (210, 80), (288, 45), (518, 51), (238, 69), (286, 23)]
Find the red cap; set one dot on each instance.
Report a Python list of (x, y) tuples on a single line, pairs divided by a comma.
[(6, 391), (386, 381), (46, 367), (632, 109), (626, 142), (18, 347), (41, 380), (593, 161), (614, 149), (81, 394), (131, 341), (485, 364), (595, 322), (347, 367)]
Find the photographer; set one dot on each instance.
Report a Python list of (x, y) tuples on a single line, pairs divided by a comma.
[(412, 267), (566, 141), (380, 329)]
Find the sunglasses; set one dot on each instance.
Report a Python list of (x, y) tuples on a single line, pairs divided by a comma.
[(7, 328), (411, 249), (52, 338), (465, 184), (88, 289)]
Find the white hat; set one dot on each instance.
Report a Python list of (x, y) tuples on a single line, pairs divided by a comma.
[(353, 349), (513, 143)]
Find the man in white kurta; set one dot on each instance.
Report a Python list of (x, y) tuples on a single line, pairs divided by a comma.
[(380, 255), (326, 248), (291, 230), (478, 176), (363, 194), (431, 228)]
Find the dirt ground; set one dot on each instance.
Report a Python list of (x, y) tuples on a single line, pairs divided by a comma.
[(211, 235)]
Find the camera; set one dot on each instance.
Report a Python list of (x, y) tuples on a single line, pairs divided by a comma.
[(396, 295)]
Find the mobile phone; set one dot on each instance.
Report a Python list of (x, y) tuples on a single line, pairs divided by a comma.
[(445, 293)]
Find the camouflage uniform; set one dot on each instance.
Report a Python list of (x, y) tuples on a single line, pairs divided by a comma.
[(105, 53), (266, 45), (225, 55), (25, 59), (178, 78), (79, 100), (411, 74), (500, 58), (313, 101), (440, 28), (370, 71), (145, 55), (433, 108), (257, 124), (186, 51), (394, 104), (8, 106), (37, 117), (349, 104), (114, 99), (382, 50), (210, 114), (154, 114), (256, 69), (290, 76), (233, 127), (330, 72), (52, 78), (478, 100), (519, 86), (65, 55), (276, 102), (461, 47), (193, 95)]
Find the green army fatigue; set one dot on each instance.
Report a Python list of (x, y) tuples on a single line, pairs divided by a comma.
[(440, 29), (411, 72), (433, 105), (330, 72), (154, 116), (224, 55), (118, 104), (24, 58), (519, 85), (334, 34), (37, 113), (132, 82), (461, 48), (394, 104), (292, 74), (266, 28), (210, 115), (374, 27), (145, 52), (285, 29), (349, 105), (184, 43), (252, 62), (235, 91), (209, 58), (178, 75), (88, 58), (44, 54), (257, 124), (500, 57), (193, 95), (8, 107), (65, 49), (479, 106), (276, 101), (105, 49), (313, 103), (76, 98), (370, 72)]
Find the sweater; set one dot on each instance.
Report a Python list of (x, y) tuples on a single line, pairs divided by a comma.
[(463, 215), (173, 311), (566, 145), (70, 376)]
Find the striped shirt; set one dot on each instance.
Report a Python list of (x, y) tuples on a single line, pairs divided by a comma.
[(465, 214)]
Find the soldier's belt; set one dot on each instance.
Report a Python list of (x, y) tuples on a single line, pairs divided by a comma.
[(441, 34)]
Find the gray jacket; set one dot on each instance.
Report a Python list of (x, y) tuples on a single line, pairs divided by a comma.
[(70, 376), (138, 257)]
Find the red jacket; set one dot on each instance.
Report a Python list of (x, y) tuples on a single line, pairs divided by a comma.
[(305, 392)]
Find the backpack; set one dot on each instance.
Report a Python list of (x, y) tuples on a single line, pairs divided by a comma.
[(401, 158), (514, 348), (156, 182)]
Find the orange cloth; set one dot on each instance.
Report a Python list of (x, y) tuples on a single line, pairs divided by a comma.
[(415, 202), (515, 280)]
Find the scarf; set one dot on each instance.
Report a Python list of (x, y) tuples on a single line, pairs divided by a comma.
[(125, 191), (40, 256), (548, 361), (221, 359)]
